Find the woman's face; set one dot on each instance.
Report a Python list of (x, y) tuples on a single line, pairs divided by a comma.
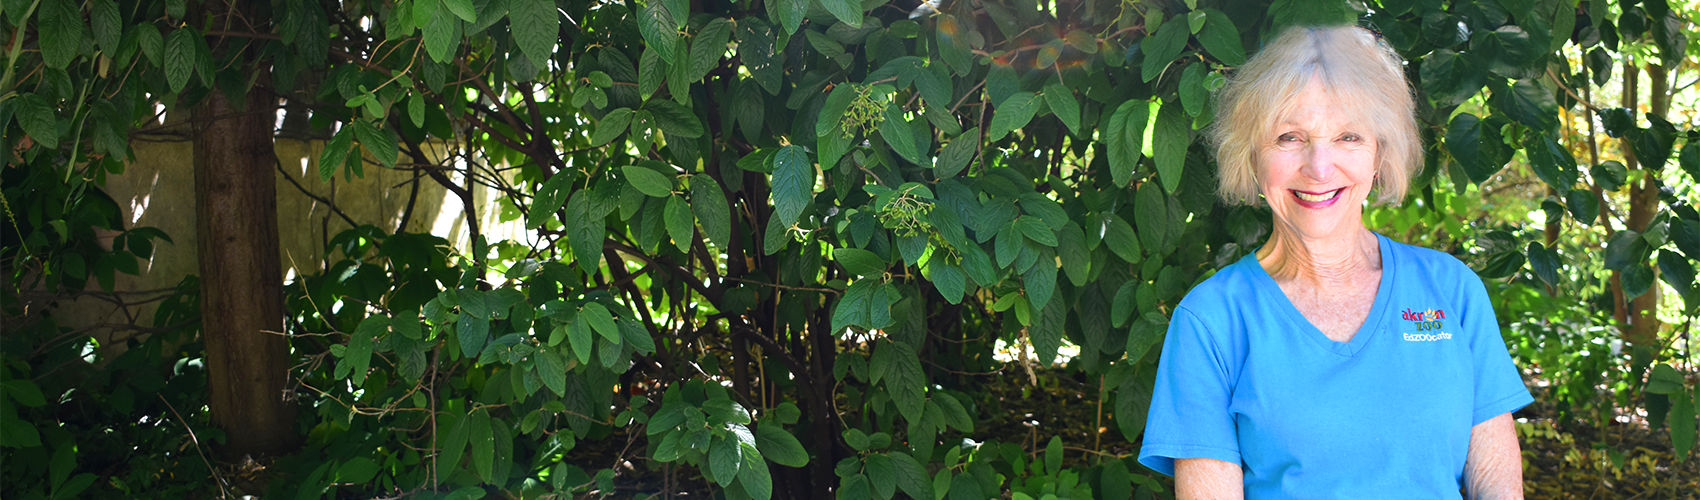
[(1317, 166)]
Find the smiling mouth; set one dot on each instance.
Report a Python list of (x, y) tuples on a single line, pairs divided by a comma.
[(1317, 197)]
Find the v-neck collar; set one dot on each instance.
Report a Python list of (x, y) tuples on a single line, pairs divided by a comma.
[(1372, 323)]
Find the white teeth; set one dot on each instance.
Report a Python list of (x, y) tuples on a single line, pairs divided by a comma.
[(1316, 197)]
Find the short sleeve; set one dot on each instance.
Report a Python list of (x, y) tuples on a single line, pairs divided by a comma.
[(1189, 415), (1498, 386)]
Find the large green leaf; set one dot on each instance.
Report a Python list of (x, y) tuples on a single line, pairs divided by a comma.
[(900, 135), (358, 356), (680, 225), (724, 460), (677, 121), (580, 337), (600, 320), (1047, 330), (911, 477), (904, 380), (847, 11), (483, 443), (1552, 162), (1663, 379), (179, 57), (882, 474), (473, 332), (789, 13), (536, 27), (108, 25), (957, 154), (953, 37), (380, 142), (753, 475), (1151, 212), (1624, 249), (852, 308), (1528, 103), (585, 232), (336, 150), (1012, 114), (707, 47), (1449, 78), (756, 51), (1584, 206), (38, 119), (948, 279), (1041, 279), (453, 428), (708, 203), (552, 368), (833, 109), (648, 181), (1506, 52), (1161, 48), (780, 446), (652, 72), (62, 31), (1676, 271), (793, 184), (1636, 279), (1062, 103), (612, 125), (1120, 237), (1652, 145), (1036, 230), (462, 9), (1133, 401), (1192, 92), (1545, 262), (1169, 143), (151, 43), (442, 35), (1475, 145), (1222, 38), (1682, 424), (1685, 233), (656, 26), (860, 262), (1124, 138)]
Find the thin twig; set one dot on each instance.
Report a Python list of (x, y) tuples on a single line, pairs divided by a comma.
[(223, 493)]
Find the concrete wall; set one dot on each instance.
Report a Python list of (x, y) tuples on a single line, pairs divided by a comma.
[(158, 190)]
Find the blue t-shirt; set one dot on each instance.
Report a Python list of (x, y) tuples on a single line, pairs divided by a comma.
[(1246, 379)]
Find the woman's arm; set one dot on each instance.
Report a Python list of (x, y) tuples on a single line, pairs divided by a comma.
[(1494, 468), (1210, 479)]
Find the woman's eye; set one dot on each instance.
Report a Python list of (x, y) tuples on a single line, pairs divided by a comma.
[(1351, 138), (1288, 138)]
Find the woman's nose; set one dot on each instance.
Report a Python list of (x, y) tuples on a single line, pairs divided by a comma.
[(1319, 161)]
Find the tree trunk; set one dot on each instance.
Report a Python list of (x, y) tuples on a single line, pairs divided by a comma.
[(241, 276), (1642, 327)]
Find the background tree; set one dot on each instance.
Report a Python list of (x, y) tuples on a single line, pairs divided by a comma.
[(782, 242), (241, 277)]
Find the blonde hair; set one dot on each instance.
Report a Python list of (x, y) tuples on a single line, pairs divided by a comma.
[(1354, 67)]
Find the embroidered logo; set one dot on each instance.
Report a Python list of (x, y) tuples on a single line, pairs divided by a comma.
[(1426, 321)]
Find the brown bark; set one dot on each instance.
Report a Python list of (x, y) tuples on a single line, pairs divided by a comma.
[(241, 276), (1640, 315)]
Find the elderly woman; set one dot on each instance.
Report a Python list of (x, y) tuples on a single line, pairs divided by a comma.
[(1333, 362)]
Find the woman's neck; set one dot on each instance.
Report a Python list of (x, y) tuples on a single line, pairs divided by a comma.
[(1343, 259)]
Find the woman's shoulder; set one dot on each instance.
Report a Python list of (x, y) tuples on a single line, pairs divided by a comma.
[(1436, 271), (1217, 293)]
